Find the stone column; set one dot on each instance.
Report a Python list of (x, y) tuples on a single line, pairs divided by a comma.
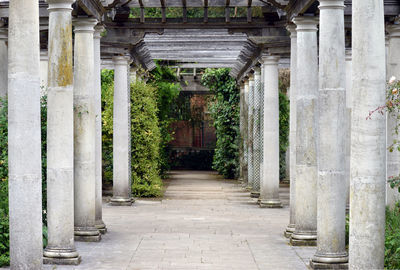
[(331, 188), (368, 149), (4, 61), (306, 132), (245, 130), (24, 141), (97, 107), (250, 133), (122, 190), (242, 133), (292, 132), (393, 69), (347, 137), (269, 196), (261, 125), (60, 138), (255, 192), (44, 70), (84, 132)]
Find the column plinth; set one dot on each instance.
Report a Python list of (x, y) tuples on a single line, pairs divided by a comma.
[(84, 132), (122, 190), (306, 132)]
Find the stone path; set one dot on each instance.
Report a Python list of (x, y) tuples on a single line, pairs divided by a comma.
[(203, 222)]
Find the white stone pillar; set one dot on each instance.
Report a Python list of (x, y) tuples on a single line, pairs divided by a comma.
[(24, 137), (306, 132), (3, 61), (84, 132), (331, 188), (44, 69), (292, 132), (60, 138), (250, 167), (97, 107), (368, 150), (245, 130), (269, 196), (255, 192), (393, 69), (349, 106), (122, 190), (242, 132)]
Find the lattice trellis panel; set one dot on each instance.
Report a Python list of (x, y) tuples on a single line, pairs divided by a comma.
[(256, 131)]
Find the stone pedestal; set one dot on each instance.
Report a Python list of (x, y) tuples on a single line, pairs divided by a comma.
[(84, 132), (122, 190), (331, 191), (250, 167), (60, 138), (306, 132), (24, 137), (292, 133), (99, 223), (4, 61), (269, 196), (257, 152), (368, 149)]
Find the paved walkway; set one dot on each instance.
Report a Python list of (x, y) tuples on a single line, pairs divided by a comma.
[(203, 222)]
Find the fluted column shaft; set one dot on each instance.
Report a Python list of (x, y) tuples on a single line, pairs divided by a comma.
[(393, 69), (269, 196), (84, 132), (256, 133), (292, 128), (368, 149), (60, 137), (331, 190), (97, 107), (306, 132), (250, 133), (4, 62), (122, 191)]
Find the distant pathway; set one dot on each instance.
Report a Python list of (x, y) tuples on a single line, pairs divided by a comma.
[(203, 222)]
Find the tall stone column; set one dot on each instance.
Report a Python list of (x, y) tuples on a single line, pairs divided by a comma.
[(269, 196), (245, 130), (292, 132), (255, 192), (393, 69), (24, 141), (261, 126), (4, 61), (250, 167), (331, 188), (97, 107), (349, 106), (122, 190), (368, 149), (60, 138), (84, 132), (306, 132), (242, 133)]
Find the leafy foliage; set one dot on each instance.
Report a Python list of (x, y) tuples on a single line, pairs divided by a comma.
[(224, 110), (392, 238), (284, 83)]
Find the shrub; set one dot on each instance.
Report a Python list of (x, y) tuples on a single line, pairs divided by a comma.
[(283, 133), (146, 139), (392, 238)]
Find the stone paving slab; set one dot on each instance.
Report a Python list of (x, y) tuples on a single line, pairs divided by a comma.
[(203, 222)]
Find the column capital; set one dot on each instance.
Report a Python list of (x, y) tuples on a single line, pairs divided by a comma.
[(270, 59), (56, 5), (84, 25), (251, 77), (291, 27), (393, 30), (98, 30), (331, 4), (246, 81), (121, 60), (306, 23), (257, 71)]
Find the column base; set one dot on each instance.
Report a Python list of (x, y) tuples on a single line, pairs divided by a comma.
[(101, 226), (119, 201), (270, 203), (289, 230), (87, 234), (303, 239), (338, 261), (255, 194), (61, 256)]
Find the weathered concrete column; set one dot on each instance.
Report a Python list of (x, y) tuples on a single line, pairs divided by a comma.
[(97, 107), (242, 132), (349, 106), (269, 196), (255, 192), (122, 190), (24, 141), (292, 132), (393, 69), (368, 149), (60, 138), (331, 188), (4, 61), (250, 167), (245, 130), (84, 132), (306, 132)]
